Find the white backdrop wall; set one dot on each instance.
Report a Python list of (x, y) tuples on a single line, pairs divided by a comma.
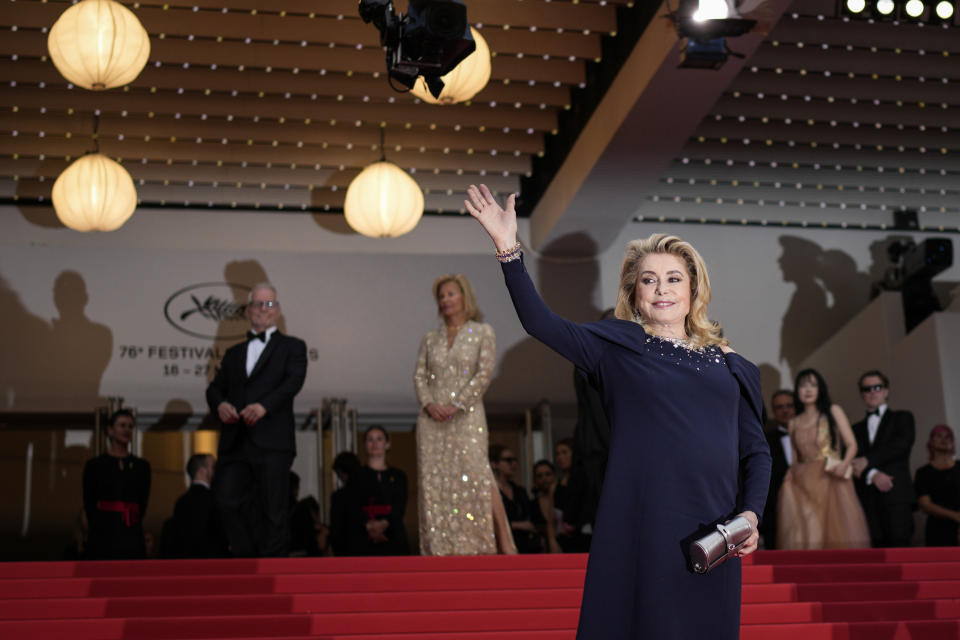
[(84, 314)]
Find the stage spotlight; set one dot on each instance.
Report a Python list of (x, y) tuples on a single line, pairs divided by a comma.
[(914, 8), (430, 40), (711, 10), (706, 24), (709, 19), (885, 7), (856, 6), (944, 10)]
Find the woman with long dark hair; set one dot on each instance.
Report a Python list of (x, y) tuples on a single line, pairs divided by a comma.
[(818, 506)]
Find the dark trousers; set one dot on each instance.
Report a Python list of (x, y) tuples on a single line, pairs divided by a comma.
[(253, 491), (891, 523)]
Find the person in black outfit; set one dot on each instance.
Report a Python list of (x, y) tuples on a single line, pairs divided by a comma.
[(591, 448), (575, 529), (252, 394), (346, 465), (520, 511), (778, 439), (195, 530), (544, 483), (116, 488), (305, 527), (378, 502), (884, 441), (938, 490)]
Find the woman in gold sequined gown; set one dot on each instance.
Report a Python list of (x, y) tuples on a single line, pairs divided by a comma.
[(818, 508), (459, 505)]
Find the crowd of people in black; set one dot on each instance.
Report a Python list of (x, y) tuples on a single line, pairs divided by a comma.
[(864, 497)]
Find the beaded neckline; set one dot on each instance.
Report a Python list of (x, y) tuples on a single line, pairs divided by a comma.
[(683, 343)]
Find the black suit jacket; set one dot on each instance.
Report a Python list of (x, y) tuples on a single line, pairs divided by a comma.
[(591, 444), (196, 528), (768, 527), (274, 381), (890, 453)]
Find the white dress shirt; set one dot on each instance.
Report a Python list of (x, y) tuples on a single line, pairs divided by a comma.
[(255, 347), (785, 445)]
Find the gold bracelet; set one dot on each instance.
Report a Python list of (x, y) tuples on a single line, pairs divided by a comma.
[(506, 252), (509, 257)]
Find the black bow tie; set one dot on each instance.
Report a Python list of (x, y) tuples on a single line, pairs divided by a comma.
[(262, 336), (875, 412)]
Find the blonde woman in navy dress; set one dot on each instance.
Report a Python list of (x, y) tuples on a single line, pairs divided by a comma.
[(687, 448)]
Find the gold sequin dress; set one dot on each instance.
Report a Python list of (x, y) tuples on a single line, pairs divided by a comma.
[(456, 482)]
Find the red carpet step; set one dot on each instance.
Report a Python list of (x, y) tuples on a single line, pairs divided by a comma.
[(895, 594)]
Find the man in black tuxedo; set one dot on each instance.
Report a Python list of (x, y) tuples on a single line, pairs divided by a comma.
[(252, 394), (884, 440), (778, 439), (195, 530)]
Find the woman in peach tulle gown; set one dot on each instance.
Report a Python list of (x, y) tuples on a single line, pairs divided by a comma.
[(818, 506)]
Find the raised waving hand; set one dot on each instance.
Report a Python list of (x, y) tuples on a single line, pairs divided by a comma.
[(499, 222)]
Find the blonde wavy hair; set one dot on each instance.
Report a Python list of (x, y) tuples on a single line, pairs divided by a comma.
[(469, 297), (701, 331)]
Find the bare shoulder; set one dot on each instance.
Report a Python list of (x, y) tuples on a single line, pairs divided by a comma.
[(837, 412)]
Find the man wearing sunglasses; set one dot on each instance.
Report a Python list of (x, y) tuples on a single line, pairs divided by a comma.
[(884, 440), (252, 394)]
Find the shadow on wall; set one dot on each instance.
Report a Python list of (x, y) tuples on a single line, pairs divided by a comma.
[(44, 217), (829, 292), (334, 223), (30, 190), (567, 277), (176, 414), (66, 356), (769, 383)]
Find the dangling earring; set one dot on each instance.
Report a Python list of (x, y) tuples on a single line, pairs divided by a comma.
[(636, 315)]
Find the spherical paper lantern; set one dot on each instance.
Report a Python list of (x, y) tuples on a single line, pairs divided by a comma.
[(98, 44), (94, 194), (465, 80), (383, 201)]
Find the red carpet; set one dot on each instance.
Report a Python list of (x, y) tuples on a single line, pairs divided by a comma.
[(894, 594)]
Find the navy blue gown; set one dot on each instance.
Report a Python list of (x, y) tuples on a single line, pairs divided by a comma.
[(687, 450)]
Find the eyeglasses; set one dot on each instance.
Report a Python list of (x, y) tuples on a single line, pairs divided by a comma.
[(872, 387), (265, 304), (509, 459)]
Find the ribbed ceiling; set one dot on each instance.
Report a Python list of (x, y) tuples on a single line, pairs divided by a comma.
[(834, 121), (272, 105)]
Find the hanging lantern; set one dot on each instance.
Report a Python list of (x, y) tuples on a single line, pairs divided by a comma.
[(465, 81), (383, 201), (98, 44), (94, 194)]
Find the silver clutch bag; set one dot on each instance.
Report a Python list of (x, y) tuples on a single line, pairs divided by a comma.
[(715, 547)]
